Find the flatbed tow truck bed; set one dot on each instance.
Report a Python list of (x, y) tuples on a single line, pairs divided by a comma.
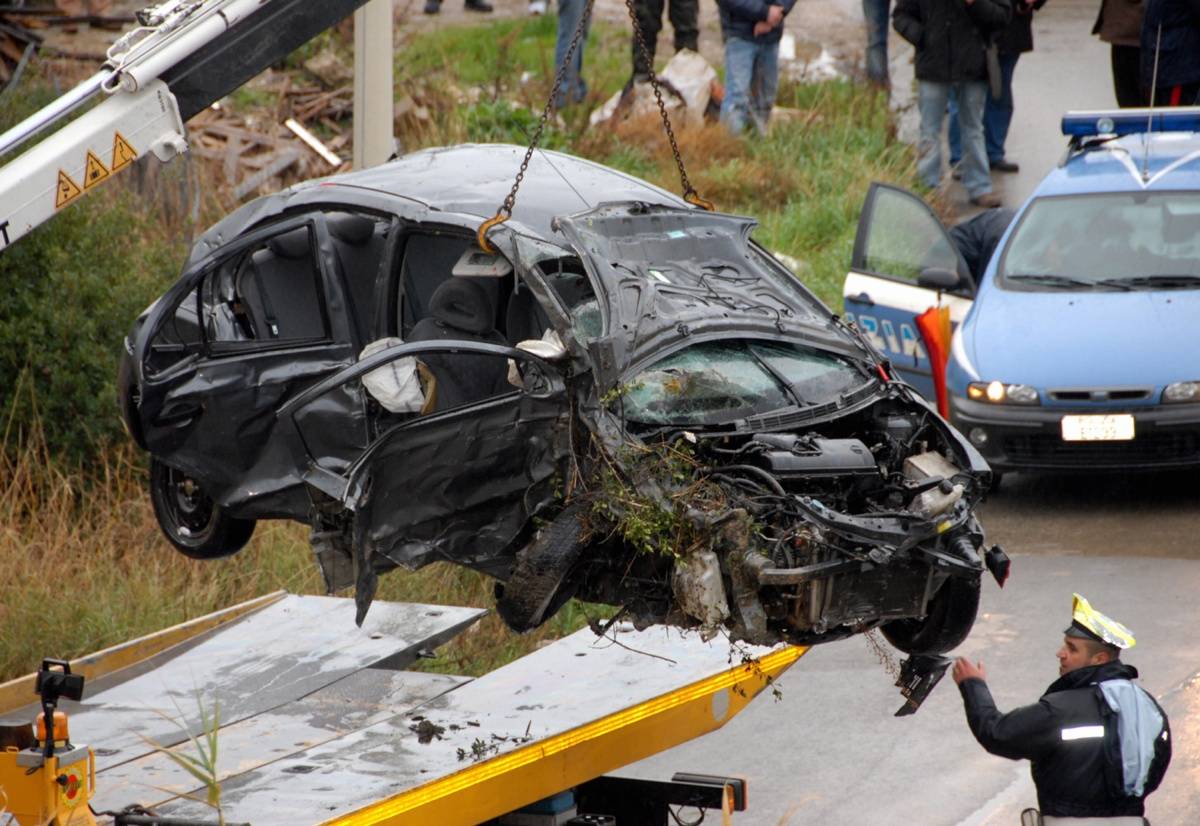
[(321, 723)]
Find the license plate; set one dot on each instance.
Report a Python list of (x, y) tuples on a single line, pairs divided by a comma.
[(1117, 428)]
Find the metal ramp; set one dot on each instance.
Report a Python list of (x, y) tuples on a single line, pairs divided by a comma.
[(320, 723)]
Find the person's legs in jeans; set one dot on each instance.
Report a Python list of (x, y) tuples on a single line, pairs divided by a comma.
[(649, 15), (876, 14), (971, 100), (574, 87), (953, 136), (739, 74), (765, 84), (685, 21), (931, 103), (997, 114)]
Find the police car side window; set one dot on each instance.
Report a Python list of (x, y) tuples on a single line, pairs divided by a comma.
[(903, 240)]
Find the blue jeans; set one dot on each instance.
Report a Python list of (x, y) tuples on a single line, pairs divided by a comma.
[(876, 14), (751, 81), (997, 115), (574, 87), (931, 100)]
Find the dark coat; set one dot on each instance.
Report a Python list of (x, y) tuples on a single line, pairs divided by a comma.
[(1120, 22), (950, 35), (1179, 53), (1017, 36), (739, 16), (1073, 777)]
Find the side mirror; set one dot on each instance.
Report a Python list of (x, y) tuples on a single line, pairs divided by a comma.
[(936, 278)]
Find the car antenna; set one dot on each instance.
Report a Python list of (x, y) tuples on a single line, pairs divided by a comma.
[(566, 181), (1150, 116)]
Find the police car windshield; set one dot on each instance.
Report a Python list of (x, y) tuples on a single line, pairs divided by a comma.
[(1120, 240)]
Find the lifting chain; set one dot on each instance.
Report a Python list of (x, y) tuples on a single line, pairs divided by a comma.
[(689, 192), (505, 211), (506, 208)]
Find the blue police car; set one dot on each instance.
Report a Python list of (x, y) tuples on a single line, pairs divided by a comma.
[(1080, 345)]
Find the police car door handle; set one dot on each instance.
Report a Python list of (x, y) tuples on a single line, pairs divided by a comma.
[(863, 298)]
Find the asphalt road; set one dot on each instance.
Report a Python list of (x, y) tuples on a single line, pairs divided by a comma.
[(830, 752)]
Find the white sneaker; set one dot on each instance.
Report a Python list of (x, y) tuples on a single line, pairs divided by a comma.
[(537, 7)]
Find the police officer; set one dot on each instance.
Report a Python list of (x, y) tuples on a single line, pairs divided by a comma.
[(1098, 743)]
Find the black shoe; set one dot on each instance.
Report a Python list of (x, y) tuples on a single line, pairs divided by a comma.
[(433, 6), (477, 5), (1004, 165), (956, 172)]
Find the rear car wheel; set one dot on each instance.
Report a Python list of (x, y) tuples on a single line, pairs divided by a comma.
[(538, 585), (196, 525), (951, 614)]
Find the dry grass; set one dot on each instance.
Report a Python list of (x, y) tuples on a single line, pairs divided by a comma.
[(85, 566)]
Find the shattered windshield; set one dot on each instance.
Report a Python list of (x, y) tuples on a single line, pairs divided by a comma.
[(723, 381)]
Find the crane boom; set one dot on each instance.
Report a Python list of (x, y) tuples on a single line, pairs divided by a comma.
[(184, 55)]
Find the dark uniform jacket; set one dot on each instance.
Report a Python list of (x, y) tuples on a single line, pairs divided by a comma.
[(1017, 36), (1179, 49), (1075, 769), (950, 36)]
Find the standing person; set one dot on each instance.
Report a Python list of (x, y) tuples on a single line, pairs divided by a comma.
[(752, 30), (875, 12), (950, 37), (1119, 23), (1171, 38), (1098, 743), (1014, 40), (435, 6), (574, 87), (685, 20)]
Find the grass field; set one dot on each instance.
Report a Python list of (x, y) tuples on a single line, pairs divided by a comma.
[(84, 565)]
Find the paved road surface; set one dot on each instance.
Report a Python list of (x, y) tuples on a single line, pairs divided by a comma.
[(830, 751)]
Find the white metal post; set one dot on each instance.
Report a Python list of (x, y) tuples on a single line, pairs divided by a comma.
[(373, 84)]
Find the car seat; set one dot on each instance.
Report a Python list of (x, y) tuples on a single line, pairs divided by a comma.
[(279, 286), (460, 310)]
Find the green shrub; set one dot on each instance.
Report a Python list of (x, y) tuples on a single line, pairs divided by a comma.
[(71, 290)]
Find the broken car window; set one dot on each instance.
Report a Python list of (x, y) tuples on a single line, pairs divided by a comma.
[(725, 381), (178, 338), (267, 294)]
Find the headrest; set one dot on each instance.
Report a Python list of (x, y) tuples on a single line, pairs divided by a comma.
[(292, 244), (351, 228), (463, 304)]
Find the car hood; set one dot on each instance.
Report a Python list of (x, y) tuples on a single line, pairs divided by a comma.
[(669, 275), (1073, 339)]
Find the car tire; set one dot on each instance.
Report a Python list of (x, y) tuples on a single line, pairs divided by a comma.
[(951, 614), (196, 525), (537, 586)]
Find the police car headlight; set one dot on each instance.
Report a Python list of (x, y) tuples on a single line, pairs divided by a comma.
[(997, 392), (1182, 391)]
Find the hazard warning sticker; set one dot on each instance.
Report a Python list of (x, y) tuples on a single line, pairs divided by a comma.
[(95, 172), (123, 153), (67, 190)]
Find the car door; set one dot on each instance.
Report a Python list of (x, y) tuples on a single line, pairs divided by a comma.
[(904, 263), (267, 319), (459, 484)]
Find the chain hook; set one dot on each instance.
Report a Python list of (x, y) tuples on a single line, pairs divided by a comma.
[(481, 234)]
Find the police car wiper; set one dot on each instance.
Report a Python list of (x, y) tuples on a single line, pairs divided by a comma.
[(1066, 282), (1158, 282)]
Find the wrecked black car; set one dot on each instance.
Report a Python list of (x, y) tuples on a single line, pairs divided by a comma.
[(632, 403)]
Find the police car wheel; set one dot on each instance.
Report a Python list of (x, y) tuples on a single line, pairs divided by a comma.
[(196, 525)]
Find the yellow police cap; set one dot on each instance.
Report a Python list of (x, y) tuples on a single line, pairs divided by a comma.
[(1089, 623)]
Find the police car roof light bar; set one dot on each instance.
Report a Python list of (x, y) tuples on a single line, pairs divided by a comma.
[(1086, 124)]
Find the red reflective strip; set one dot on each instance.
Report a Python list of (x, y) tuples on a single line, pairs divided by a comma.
[(882, 373), (1176, 95)]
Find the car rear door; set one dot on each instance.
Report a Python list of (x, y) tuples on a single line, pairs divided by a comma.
[(458, 484), (267, 319), (901, 246)]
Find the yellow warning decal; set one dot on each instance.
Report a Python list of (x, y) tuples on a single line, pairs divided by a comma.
[(95, 172), (67, 190), (123, 153)]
